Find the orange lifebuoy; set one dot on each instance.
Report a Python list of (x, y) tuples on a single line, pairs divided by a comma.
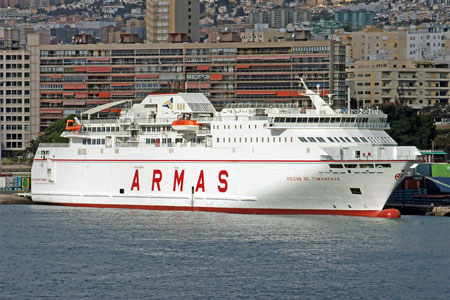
[(72, 126)]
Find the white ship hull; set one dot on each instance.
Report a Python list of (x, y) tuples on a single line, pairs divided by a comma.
[(267, 186)]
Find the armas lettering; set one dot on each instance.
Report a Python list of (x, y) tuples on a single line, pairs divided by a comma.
[(178, 181)]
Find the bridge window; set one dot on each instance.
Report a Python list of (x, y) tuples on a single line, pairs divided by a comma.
[(335, 120)]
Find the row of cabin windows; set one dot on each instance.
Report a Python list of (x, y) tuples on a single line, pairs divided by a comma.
[(156, 128), (235, 126), (362, 166), (310, 120), (93, 141), (383, 140), (163, 141), (326, 120), (257, 140), (103, 129)]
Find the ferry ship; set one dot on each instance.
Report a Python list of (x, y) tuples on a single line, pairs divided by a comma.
[(176, 152)]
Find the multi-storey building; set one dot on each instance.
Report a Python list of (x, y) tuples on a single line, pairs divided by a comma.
[(412, 83), (279, 18), (259, 17), (172, 16), (374, 43), (355, 18), (9, 38), (300, 16), (15, 99), (427, 43), (73, 78)]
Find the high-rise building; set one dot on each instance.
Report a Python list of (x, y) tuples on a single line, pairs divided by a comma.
[(356, 19), (14, 91), (172, 16), (15, 99), (259, 17), (279, 18)]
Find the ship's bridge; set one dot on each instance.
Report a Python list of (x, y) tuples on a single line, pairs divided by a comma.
[(372, 119)]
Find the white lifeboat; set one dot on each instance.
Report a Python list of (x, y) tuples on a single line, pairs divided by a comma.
[(185, 125)]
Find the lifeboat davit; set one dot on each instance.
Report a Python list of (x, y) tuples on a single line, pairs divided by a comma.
[(71, 125), (185, 125)]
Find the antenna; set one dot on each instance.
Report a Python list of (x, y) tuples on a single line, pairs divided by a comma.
[(330, 100)]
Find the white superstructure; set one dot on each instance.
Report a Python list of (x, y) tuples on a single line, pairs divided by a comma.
[(176, 152)]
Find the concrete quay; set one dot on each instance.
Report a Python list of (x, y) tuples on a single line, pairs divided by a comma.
[(13, 198)]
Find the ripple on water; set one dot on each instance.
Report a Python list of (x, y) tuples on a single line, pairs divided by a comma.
[(49, 251)]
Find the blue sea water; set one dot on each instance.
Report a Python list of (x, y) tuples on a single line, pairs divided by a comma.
[(70, 253)]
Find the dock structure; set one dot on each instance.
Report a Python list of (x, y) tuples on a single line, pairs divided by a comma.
[(13, 198), (441, 211)]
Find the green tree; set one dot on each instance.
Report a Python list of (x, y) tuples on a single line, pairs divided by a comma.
[(51, 135), (409, 128), (53, 132)]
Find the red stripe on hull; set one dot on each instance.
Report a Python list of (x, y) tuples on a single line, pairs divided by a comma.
[(221, 161), (387, 213)]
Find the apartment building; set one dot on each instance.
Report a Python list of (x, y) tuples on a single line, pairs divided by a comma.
[(9, 38), (279, 18), (374, 44), (427, 43), (172, 16), (15, 99), (72, 78), (413, 83)]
